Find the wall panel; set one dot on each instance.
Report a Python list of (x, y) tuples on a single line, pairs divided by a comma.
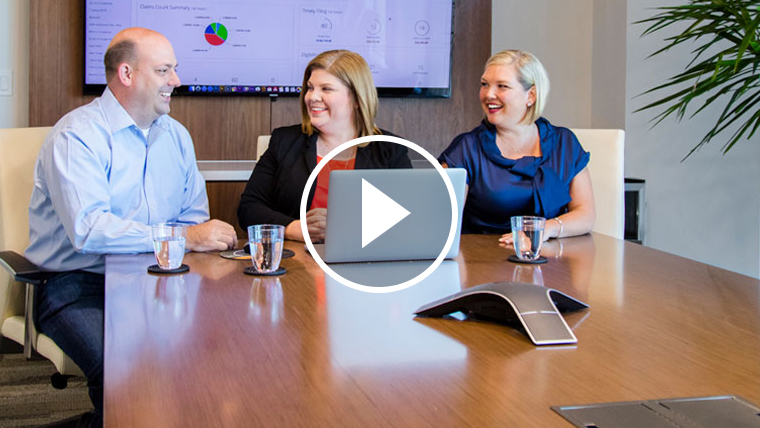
[(223, 197), (227, 127)]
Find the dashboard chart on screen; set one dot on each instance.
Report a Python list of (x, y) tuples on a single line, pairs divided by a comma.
[(251, 47)]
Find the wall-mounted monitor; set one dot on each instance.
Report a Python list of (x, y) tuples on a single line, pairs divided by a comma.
[(256, 47)]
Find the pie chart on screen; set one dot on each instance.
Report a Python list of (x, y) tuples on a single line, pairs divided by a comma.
[(216, 34)]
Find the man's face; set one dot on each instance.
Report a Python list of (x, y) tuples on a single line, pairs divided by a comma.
[(154, 79)]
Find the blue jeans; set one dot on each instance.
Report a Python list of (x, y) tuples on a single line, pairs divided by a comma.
[(69, 310)]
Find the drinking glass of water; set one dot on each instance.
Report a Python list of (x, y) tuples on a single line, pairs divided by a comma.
[(266, 242), (169, 244), (527, 236)]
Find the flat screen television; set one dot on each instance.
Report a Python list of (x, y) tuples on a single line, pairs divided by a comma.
[(257, 47)]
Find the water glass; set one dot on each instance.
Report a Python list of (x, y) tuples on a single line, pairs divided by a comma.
[(266, 242), (169, 244), (527, 236)]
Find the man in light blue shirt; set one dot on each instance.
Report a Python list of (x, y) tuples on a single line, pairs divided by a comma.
[(107, 171)]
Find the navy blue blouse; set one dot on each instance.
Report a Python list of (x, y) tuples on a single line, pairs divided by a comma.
[(500, 188)]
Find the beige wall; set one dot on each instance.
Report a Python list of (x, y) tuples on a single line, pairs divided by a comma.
[(608, 64), (559, 33), (581, 44)]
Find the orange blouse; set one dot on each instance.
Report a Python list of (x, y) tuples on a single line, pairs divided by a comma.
[(323, 180)]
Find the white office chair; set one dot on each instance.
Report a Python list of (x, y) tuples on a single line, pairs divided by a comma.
[(606, 168), (262, 144), (18, 153)]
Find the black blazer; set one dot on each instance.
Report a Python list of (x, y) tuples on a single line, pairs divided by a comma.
[(273, 193)]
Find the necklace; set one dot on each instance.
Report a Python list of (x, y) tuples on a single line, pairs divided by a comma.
[(514, 149), (509, 146), (504, 143)]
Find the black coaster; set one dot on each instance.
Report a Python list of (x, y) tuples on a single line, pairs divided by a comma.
[(540, 260), (251, 271), (155, 269)]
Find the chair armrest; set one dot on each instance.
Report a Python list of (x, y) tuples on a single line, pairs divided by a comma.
[(22, 269)]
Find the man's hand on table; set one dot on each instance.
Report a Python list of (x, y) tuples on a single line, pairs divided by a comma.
[(213, 235)]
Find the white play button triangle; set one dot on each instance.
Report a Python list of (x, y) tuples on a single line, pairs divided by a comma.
[(379, 213)]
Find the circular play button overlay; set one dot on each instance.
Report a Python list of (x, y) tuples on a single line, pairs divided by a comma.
[(387, 229)]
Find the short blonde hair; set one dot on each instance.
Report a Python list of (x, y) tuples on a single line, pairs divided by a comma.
[(530, 72), (351, 69)]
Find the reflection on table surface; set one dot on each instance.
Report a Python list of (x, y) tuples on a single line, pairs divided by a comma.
[(371, 329), (215, 347)]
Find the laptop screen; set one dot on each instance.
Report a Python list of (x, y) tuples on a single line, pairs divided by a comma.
[(411, 208)]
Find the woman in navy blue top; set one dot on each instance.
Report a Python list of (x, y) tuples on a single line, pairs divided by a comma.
[(517, 162)]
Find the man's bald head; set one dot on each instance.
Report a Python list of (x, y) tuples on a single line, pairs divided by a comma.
[(141, 70), (125, 47)]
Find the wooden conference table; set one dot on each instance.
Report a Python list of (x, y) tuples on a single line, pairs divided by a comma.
[(215, 347)]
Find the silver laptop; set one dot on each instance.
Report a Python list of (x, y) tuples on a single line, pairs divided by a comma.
[(420, 235)]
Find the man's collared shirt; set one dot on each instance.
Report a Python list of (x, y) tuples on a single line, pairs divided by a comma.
[(99, 184)]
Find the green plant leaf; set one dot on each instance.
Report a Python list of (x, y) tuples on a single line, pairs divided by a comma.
[(748, 37), (728, 73)]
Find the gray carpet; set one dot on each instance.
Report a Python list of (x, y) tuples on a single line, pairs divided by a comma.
[(28, 400)]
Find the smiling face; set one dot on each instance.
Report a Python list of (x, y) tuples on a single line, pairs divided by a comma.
[(329, 103), (504, 99), (152, 80)]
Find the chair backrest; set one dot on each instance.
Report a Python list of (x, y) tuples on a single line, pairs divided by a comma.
[(606, 168), (262, 144), (18, 153), (19, 148)]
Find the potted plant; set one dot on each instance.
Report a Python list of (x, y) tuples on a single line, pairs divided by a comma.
[(725, 67)]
